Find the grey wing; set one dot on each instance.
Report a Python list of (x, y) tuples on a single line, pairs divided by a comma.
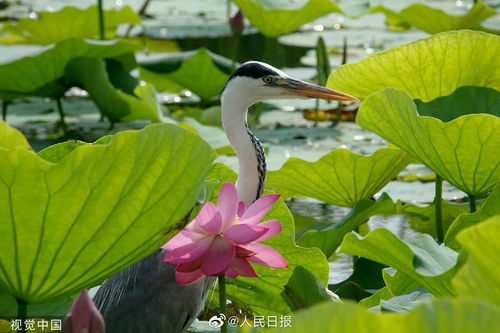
[(146, 298)]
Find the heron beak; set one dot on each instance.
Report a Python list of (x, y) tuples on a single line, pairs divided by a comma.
[(304, 89)]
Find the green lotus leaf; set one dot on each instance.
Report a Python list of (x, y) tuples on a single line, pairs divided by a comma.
[(427, 69), (490, 208), (91, 74), (464, 100), (341, 177), (42, 73), (405, 303), (59, 308), (463, 151), (398, 283), (160, 81), (263, 295), (10, 138), (375, 299), (392, 19), (210, 116), (480, 275), (423, 219), (214, 136), (101, 208), (365, 279), (199, 73), (274, 18), (69, 22), (434, 20), (328, 237), (303, 290), (418, 257), (440, 315), (57, 152), (165, 63)]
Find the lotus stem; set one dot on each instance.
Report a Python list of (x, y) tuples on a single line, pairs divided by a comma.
[(438, 201), (141, 13), (5, 105), (344, 52), (22, 313), (472, 203), (222, 301), (316, 113), (100, 14), (61, 114)]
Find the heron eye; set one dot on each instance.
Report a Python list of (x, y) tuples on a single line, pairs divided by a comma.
[(267, 79)]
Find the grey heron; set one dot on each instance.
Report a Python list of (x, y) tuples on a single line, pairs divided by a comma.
[(146, 297)]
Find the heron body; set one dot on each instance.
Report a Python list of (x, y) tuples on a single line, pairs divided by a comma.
[(146, 297)]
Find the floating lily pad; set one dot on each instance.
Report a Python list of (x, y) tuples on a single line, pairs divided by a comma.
[(426, 69), (274, 18), (341, 177), (418, 257), (479, 276), (101, 208), (69, 22), (463, 151), (434, 20), (357, 40)]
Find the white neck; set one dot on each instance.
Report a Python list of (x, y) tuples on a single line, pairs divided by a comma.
[(234, 116)]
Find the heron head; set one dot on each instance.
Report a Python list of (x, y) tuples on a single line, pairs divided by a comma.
[(256, 81)]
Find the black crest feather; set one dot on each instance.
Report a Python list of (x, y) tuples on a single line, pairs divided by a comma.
[(253, 69)]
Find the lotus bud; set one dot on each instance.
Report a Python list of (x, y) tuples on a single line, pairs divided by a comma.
[(237, 23), (84, 317)]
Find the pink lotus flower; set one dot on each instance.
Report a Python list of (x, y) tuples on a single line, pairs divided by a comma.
[(225, 239), (84, 317)]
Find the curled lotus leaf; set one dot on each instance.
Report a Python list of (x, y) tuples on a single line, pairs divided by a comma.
[(41, 74), (426, 69), (479, 276), (90, 210), (341, 177), (276, 18), (69, 22), (464, 151), (433, 20)]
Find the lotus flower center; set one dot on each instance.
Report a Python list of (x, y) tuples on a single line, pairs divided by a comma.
[(236, 220)]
